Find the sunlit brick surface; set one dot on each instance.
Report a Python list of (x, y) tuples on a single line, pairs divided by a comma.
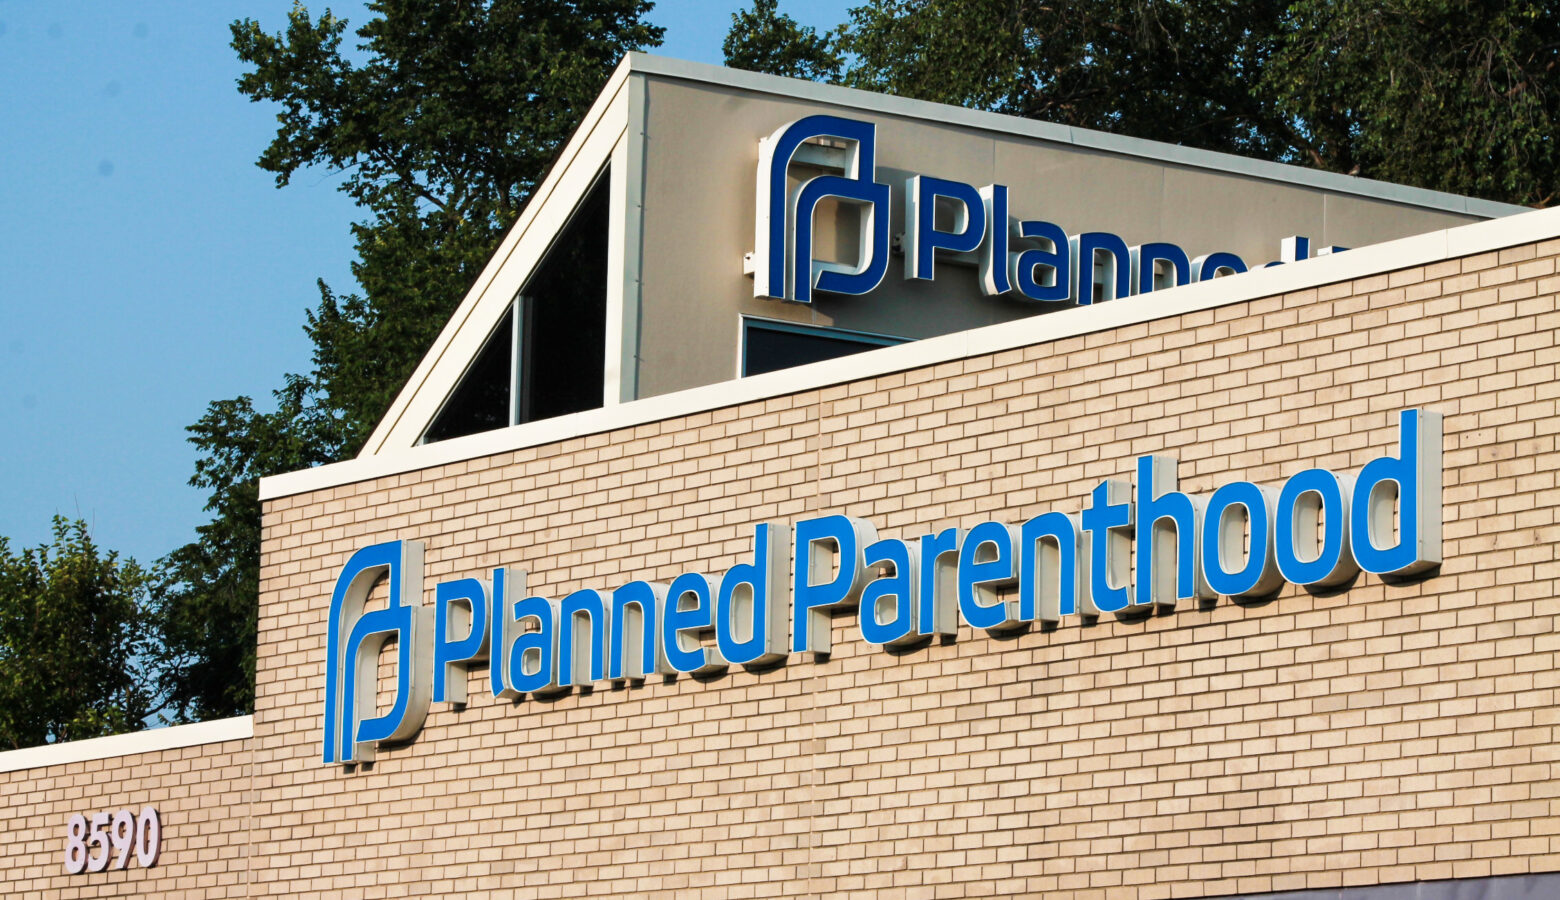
[(201, 794), (1387, 733)]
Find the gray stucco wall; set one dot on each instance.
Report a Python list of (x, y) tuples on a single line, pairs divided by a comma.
[(701, 153)]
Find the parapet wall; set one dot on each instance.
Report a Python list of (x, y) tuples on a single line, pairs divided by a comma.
[(197, 778), (1380, 734), (1384, 733)]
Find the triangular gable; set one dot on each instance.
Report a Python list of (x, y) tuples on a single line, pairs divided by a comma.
[(602, 138), (678, 312)]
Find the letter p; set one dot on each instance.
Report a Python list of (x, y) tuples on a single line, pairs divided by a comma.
[(783, 264), (352, 667)]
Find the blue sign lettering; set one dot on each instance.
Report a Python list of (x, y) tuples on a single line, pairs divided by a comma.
[(1024, 259), (354, 639), (1137, 545), (784, 267)]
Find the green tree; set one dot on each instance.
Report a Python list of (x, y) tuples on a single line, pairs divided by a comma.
[(1452, 95), (1162, 69), (73, 626), (207, 590), (764, 39), (1447, 94), (444, 120)]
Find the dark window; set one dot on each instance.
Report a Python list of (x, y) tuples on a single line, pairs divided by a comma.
[(548, 356), (564, 335), (481, 403), (769, 346)]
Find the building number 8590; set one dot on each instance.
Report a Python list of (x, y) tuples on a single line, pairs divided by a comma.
[(109, 838)]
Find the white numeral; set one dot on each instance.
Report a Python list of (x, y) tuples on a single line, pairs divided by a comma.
[(97, 862), (149, 833), (121, 830), (121, 834), (76, 845)]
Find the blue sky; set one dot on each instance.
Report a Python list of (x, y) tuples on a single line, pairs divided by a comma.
[(147, 266)]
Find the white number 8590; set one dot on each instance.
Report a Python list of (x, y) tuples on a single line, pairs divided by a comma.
[(87, 848)]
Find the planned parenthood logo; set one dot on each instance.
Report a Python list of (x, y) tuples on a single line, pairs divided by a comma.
[(784, 267), (1137, 544), (942, 222), (355, 641)]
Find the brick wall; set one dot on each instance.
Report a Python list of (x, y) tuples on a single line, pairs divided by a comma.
[(201, 794), (1387, 733)]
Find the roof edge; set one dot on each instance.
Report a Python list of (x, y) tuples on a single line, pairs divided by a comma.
[(1418, 250), (944, 114), (173, 737)]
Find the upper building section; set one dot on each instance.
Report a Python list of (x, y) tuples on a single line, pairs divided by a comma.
[(706, 224)]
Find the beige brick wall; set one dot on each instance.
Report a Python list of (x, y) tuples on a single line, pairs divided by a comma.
[(1388, 733), (1384, 734), (201, 793)]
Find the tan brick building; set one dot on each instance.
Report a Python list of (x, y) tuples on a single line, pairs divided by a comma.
[(1383, 737)]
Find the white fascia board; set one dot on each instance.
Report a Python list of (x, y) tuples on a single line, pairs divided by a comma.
[(625, 250), (586, 153), (238, 728), (943, 114), (1419, 250)]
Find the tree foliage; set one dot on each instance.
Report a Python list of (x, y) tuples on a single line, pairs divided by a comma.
[(1449, 94), (764, 39), (442, 122), (73, 623), (442, 131), (207, 590), (1171, 71), (1452, 95)]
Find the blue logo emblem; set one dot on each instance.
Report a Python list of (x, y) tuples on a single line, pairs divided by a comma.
[(1138, 543), (948, 221), (783, 264), (356, 638)]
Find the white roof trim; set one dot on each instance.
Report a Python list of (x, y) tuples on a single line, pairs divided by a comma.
[(943, 114), (214, 732), (1418, 250)]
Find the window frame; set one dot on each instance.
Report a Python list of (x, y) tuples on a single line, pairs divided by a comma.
[(747, 322)]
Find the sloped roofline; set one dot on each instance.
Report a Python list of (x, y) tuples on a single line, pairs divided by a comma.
[(1418, 250), (608, 132), (583, 157), (943, 114)]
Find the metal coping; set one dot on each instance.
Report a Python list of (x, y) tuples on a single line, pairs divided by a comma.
[(152, 740)]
